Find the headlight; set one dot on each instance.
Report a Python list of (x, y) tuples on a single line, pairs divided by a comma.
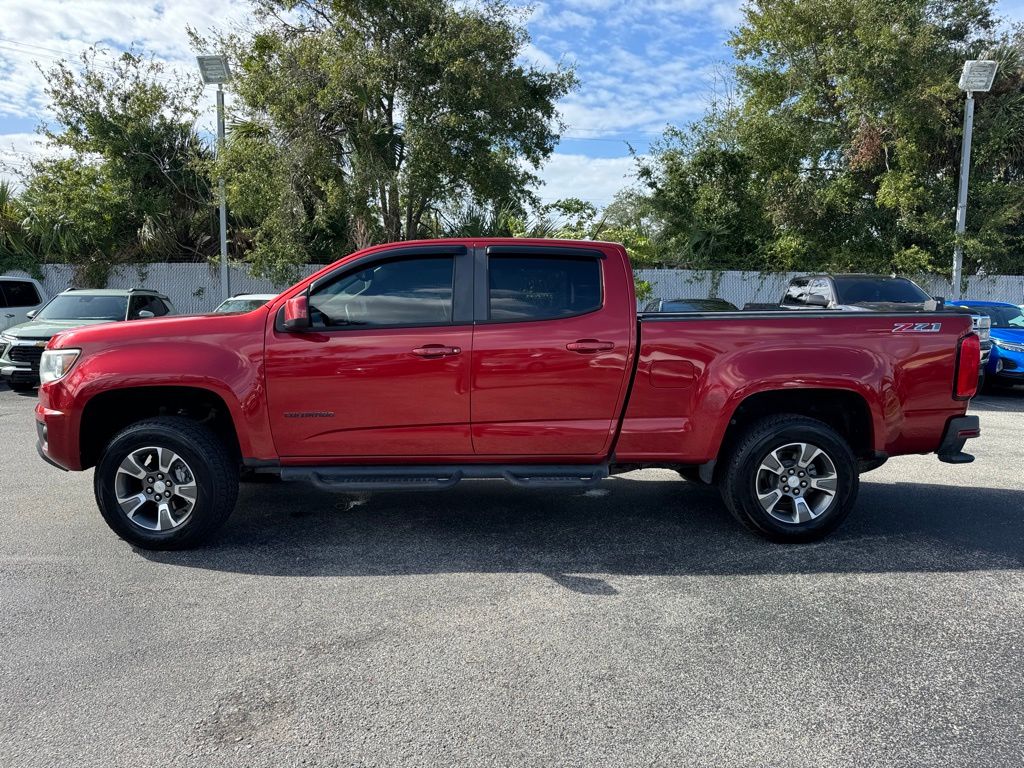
[(56, 363), (1008, 345)]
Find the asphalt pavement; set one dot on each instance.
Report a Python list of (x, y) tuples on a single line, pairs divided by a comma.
[(632, 624)]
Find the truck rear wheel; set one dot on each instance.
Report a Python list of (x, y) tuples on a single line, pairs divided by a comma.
[(790, 479), (166, 483)]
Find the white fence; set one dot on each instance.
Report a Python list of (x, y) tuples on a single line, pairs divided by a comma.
[(196, 287), (743, 287)]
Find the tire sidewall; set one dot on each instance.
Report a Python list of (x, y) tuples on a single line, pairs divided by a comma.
[(104, 481), (846, 487)]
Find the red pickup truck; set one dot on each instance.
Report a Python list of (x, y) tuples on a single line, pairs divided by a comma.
[(417, 365)]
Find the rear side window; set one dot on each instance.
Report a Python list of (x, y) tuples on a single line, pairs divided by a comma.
[(542, 288), (20, 293)]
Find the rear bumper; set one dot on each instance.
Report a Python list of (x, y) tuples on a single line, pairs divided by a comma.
[(959, 430)]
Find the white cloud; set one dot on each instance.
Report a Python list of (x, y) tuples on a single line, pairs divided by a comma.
[(594, 179), (43, 31)]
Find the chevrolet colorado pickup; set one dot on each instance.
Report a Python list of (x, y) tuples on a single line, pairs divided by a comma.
[(417, 365)]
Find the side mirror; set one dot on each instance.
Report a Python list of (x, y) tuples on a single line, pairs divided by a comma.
[(296, 313), (31, 313), (145, 314), (816, 300)]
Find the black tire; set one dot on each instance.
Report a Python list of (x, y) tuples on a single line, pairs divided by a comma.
[(214, 468), (21, 386), (744, 470)]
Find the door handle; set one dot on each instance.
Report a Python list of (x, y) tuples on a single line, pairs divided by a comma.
[(584, 346), (431, 351)]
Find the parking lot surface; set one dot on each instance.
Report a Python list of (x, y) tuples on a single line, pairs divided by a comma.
[(633, 624)]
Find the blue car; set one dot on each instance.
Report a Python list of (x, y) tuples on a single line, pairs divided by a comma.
[(1007, 361)]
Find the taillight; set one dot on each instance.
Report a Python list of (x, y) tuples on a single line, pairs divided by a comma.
[(968, 360)]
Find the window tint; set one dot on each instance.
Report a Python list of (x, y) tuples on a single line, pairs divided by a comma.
[(147, 304), (539, 288), (854, 290), (20, 293), (412, 291), (3, 298)]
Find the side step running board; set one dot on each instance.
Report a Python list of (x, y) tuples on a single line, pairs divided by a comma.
[(442, 477)]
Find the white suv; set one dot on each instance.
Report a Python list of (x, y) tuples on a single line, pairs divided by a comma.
[(18, 297)]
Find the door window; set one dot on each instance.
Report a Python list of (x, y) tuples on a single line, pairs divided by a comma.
[(542, 288), (20, 293), (401, 292), (146, 304)]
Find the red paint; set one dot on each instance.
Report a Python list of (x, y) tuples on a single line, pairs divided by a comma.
[(552, 390)]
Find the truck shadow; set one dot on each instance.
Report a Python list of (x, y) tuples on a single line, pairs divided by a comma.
[(627, 528)]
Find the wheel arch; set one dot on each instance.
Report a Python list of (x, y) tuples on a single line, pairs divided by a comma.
[(844, 410), (108, 412)]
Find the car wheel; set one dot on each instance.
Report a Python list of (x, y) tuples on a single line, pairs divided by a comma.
[(21, 386), (166, 483), (790, 479)]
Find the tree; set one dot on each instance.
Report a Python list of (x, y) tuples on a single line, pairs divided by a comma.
[(128, 179), (376, 116), (841, 150)]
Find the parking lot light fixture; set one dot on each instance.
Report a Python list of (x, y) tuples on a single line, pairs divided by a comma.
[(215, 70), (977, 77)]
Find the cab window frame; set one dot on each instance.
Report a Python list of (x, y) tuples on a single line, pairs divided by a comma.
[(482, 303), (462, 287)]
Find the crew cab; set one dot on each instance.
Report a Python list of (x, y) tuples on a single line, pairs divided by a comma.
[(421, 364)]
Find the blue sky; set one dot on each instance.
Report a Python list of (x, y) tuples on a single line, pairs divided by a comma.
[(643, 64)]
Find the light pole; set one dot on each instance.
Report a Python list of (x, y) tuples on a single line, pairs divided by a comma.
[(976, 77), (214, 69)]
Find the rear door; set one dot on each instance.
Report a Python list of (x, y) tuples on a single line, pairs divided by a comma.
[(551, 345), (17, 298), (384, 371)]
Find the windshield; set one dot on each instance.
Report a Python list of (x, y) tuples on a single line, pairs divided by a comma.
[(1002, 317), (866, 290), (240, 305), (84, 306)]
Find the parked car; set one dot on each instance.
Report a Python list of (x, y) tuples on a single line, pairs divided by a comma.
[(873, 293), (690, 305), (417, 365), (244, 302), (1007, 361), (18, 297), (21, 346)]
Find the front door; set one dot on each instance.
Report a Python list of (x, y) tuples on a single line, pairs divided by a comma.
[(550, 351), (384, 369)]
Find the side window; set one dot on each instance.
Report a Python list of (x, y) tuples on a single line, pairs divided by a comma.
[(146, 304), (20, 293), (3, 297), (400, 292), (796, 294), (819, 287), (539, 288)]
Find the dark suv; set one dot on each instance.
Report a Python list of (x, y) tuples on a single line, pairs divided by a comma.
[(21, 346)]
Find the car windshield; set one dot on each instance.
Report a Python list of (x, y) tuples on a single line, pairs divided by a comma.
[(1002, 317), (85, 306), (239, 305), (857, 290)]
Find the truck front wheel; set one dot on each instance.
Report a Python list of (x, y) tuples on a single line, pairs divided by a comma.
[(166, 483), (790, 478)]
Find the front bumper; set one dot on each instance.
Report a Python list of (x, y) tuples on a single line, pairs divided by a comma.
[(19, 362), (56, 439), (959, 430)]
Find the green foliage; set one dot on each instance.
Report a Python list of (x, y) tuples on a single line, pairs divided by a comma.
[(374, 120), (840, 148), (130, 180)]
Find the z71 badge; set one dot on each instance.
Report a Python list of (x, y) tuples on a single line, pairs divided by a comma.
[(916, 327)]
